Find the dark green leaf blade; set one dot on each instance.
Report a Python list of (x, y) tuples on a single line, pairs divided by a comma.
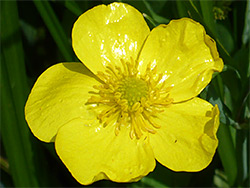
[(55, 29), (14, 130)]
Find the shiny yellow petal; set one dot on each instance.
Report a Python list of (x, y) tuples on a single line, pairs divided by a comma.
[(92, 153), (185, 55), (187, 138), (58, 96), (107, 34)]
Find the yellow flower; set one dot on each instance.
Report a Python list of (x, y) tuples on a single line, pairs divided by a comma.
[(137, 103)]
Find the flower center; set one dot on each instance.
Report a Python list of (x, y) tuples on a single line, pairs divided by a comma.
[(133, 90), (126, 98)]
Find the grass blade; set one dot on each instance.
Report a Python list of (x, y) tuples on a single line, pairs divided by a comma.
[(15, 141), (208, 16), (246, 31), (242, 156), (226, 146), (73, 7), (156, 17), (55, 29), (181, 9), (14, 130), (227, 153), (195, 14)]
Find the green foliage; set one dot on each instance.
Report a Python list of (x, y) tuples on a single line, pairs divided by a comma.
[(35, 35)]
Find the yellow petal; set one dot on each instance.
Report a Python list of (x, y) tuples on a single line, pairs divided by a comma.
[(107, 34), (92, 153), (187, 138), (185, 55), (58, 96)]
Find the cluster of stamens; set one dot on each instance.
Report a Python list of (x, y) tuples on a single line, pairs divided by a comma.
[(130, 99)]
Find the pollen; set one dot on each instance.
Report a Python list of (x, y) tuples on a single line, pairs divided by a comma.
[(129, 99)]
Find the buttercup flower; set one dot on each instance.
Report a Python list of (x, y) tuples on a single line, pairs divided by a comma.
[(136, 104)]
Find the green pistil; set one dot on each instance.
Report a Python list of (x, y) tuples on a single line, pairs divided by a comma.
[(133, 90)]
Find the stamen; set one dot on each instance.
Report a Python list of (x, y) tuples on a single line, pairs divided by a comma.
[(129, 99)]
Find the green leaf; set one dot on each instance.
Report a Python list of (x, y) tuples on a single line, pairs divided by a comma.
[(225, 37), (73, 7), (164, 177), (55, 28), (211, 95), (242, 64), (14, 130), (151, 20), (208, 16), (16, 142), (246, 30), (220, 179), (181, 9), (226, 145), (193, 11), (195, 14), (229, 67), (227, 153), (23, 153), (159, 19), (232, 81), (150, 182), (242, 155)]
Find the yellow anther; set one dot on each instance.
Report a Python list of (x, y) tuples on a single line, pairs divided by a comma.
[(135, 107), (129, 99)]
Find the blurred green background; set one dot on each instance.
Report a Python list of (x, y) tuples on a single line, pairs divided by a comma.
[(37, 34)]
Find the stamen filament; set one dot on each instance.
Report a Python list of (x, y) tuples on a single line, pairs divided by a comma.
[(129, 99)]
